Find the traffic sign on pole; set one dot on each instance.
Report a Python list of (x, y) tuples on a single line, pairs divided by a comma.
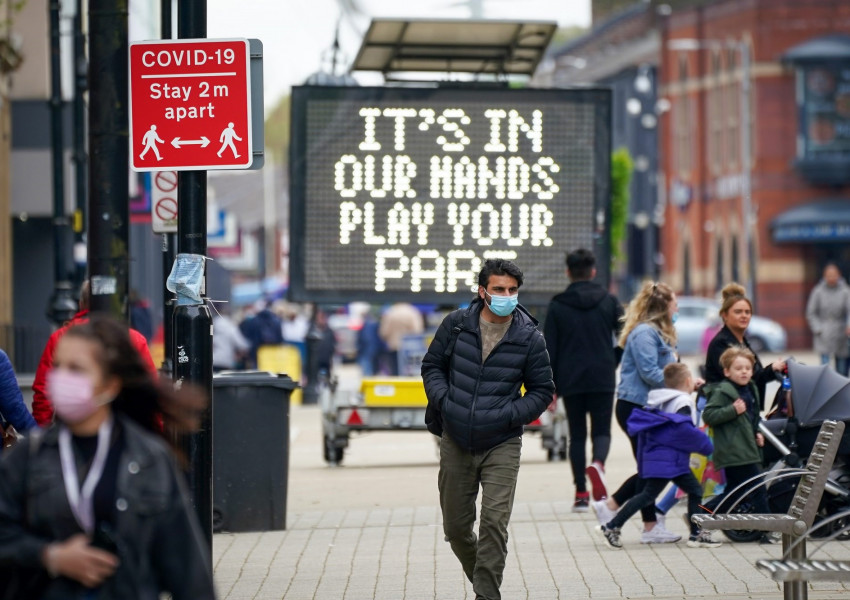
[(190, 105), (164, 202)]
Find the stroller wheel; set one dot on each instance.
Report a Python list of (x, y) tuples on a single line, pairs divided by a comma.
[(840, 528), (743, 535)]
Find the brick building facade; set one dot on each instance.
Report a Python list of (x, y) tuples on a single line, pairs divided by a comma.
[(703, 239)]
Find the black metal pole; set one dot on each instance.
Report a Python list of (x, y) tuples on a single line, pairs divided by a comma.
[(192, 321), (62, 305), (80, 157), (169, 243), (169, 240), (166, 12), (108, 230), (310, 394)]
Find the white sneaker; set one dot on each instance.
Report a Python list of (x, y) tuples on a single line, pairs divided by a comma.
[(659, 535), (603, 513)]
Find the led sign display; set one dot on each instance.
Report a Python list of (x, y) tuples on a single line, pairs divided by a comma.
[(401, 193)]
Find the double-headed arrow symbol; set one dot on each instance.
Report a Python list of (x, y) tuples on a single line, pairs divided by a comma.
[(203, 142)]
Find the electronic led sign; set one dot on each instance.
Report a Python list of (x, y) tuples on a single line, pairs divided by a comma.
[(401, 194)]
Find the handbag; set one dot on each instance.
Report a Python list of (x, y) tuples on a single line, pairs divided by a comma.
[(10, 435), (22, 582), (433, 416), (711, 478)]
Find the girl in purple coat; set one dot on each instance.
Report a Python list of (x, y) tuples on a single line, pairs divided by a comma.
[(665, 443)]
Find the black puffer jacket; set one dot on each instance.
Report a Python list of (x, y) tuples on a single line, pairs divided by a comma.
[(482, 405)]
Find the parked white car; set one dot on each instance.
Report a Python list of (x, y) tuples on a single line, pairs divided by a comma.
[(697, 315)]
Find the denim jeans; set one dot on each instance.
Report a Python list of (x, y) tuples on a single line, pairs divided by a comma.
[(461, 474)]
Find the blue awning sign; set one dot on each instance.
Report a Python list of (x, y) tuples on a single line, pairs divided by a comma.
[(822, 232)]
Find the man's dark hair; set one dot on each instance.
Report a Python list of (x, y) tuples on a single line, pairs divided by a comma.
[(580, 264), (499, 266)]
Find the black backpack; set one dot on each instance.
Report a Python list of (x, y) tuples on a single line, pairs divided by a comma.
[(433, 416)]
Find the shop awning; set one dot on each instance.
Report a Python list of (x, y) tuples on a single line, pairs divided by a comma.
[(820, 221), (834, 47)]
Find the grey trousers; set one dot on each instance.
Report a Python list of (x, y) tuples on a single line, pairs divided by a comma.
[(461, 473)]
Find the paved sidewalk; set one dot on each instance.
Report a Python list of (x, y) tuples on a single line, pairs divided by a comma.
[(554, 554), (371, 529)]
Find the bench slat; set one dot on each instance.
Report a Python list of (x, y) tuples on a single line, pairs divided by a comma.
[(806, 570)]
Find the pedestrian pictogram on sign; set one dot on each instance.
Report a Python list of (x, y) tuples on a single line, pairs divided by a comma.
[(186, 95), (164, 202)]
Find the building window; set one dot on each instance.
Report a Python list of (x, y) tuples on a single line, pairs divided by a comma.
[(822, 68), (732, 110), (686, 270), (683, 122), (718, 268), (735, 259), (715, 114), (752, 112)]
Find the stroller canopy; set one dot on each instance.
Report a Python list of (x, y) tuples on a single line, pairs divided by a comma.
[(818, 393)]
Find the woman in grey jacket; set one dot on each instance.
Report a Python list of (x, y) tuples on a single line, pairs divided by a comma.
[(828, 313), (94, 508)]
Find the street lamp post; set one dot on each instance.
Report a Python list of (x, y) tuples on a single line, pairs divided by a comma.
[(743, 49), (62, 305)]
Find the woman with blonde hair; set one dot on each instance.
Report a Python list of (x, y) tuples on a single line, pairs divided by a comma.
[(736, 310), (648, 340)]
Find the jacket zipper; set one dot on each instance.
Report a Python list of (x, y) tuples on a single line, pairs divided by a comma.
[(478, 379), (478, 341)]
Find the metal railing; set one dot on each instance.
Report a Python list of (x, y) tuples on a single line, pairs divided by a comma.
[(24, 344)]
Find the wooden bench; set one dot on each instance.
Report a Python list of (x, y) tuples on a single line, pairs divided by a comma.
[(801, 514)]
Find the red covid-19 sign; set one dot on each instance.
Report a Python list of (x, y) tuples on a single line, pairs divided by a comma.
[(190, 105)]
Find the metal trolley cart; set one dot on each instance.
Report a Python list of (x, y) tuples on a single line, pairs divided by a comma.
[(397, 403)]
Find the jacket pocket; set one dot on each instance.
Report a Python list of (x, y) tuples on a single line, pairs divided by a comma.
[(150, 502), (153, 495)]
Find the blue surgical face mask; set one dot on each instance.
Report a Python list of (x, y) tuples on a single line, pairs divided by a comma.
[(502, 306), (675, 317)]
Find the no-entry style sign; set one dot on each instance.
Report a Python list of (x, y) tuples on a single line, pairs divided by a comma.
[(190, 105), (164, 202)]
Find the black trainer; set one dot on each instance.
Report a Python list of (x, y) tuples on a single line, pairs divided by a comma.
[(582, 503), (612, 536)]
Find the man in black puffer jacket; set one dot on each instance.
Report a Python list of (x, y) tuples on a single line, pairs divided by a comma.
[(473, 372), (581, 326)]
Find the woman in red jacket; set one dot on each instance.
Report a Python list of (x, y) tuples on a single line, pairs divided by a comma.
[(42, 409)]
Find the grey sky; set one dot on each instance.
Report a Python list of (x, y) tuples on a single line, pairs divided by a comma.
[(296, 34)]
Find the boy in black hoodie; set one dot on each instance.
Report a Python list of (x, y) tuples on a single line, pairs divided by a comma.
[(582, 324)]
